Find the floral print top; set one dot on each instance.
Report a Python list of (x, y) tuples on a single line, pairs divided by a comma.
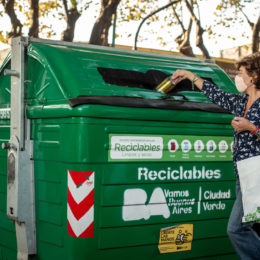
[(245, 143)]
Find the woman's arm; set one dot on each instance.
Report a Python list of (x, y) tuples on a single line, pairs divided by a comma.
[(239, 124), (180, 75), (228, 101)]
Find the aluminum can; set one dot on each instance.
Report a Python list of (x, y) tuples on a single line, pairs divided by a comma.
[(165, 86)]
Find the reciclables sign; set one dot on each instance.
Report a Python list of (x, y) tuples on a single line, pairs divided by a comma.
[(169, 148)]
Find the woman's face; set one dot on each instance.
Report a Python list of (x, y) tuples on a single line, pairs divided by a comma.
[(243, 74)]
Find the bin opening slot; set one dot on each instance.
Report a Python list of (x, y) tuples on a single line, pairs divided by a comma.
[(131, 78), (147, 80)]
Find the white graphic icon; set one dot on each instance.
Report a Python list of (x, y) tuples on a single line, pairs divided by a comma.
[(135, 208), (211, 146), (223, 146), (186, 146), (173, 145), (198, 146)]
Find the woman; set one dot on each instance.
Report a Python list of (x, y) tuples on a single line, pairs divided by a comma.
[(246, 123)]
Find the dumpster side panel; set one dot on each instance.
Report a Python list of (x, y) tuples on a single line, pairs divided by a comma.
[(8, 246), (84, 145)]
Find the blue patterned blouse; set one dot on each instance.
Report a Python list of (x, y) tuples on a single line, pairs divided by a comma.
[(245, 144)]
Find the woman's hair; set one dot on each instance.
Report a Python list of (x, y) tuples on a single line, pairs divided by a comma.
[(252, 66)]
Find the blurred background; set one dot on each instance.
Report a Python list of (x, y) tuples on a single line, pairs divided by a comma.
[(222, 30)]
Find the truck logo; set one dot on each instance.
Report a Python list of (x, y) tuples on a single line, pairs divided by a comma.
[(80, 207)]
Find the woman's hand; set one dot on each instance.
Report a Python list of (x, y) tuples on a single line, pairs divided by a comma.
[(180, 75), (241, 124)]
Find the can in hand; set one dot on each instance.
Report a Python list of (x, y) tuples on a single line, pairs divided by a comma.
[(165, 86)]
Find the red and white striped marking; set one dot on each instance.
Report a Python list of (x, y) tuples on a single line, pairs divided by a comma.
[(80, 207)]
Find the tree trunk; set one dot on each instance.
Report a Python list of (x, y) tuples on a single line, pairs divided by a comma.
[(255, 37), (16, 24), (99, 35), (72, 15), (199, 40), (199, 31), (185, 47), (183, 41), (34, 30)]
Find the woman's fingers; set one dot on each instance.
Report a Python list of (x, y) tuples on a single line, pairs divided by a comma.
[(178, 76), (241, 124)]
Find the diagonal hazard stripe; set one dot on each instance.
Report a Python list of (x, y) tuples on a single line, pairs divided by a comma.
[(79, 226), (80, 191), (80, 209), (70, 230), (79, 177), (80, 204), (89, 232)]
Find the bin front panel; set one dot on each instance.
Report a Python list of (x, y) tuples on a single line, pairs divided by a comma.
[(8, 246), (147, 176)]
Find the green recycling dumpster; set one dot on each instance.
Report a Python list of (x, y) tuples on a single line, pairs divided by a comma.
[(97, 164)]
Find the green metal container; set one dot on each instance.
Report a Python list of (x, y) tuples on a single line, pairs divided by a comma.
[(106, 167)]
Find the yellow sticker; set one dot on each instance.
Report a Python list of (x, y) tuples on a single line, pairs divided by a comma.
[(176, 238)]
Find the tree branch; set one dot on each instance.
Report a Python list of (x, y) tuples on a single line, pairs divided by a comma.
[(178, 19), (72, 15), (65, 7), (199, 31), (16, 24), (249, 22), (255, 36), (34, 30), (101, 27)]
